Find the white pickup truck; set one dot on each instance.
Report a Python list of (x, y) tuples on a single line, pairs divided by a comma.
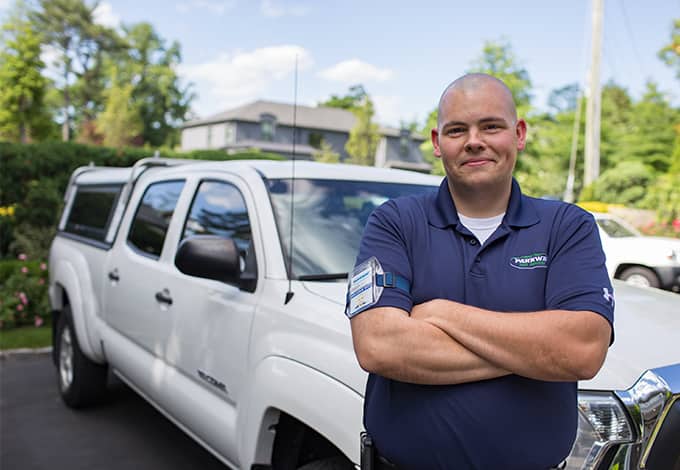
[(637, 259), (217, 291)]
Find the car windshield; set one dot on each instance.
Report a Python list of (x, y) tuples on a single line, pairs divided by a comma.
[(615, 229), (329, 218)]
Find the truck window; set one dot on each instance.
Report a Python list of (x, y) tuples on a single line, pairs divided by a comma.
[(219, 209), (91, 211), (153, 216)]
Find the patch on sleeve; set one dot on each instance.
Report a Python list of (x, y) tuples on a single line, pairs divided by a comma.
[(364, 291)]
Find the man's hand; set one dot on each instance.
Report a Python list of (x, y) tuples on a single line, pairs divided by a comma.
[(390, 343), (557, 345)]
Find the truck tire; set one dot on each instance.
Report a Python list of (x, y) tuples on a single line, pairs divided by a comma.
[(640, 276), (332, 463), (81, 382)]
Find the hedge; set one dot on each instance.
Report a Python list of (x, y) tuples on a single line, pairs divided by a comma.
[(22, 163), (33, 178)]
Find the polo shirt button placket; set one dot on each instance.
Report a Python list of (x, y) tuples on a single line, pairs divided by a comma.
[(473, 241)]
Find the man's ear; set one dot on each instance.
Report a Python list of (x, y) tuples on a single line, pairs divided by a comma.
[(434, 136), (521, 130)]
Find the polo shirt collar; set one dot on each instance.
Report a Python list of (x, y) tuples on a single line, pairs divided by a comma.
[(520, 212)]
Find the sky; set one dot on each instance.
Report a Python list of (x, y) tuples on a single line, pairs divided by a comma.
[(404, 53)]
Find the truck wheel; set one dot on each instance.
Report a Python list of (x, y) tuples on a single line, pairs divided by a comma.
[(332, 463), (81, 381), (640, 276)]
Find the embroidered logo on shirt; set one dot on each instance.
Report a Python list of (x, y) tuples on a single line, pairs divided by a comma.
[(532, 261)]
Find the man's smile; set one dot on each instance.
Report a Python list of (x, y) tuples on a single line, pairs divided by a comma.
[(477, 162)]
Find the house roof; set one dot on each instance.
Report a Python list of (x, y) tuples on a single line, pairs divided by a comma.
[(320, 117)]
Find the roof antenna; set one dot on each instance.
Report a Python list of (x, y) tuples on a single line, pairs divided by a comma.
[(290, 293)]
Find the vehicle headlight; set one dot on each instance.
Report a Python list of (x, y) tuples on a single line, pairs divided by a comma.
[(673, 255), (602, 423)]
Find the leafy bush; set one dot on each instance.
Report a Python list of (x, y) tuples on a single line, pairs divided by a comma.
[(626, 183), (34, 178), (23, 293)]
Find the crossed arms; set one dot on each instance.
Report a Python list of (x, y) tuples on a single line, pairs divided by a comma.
[(446, 342)]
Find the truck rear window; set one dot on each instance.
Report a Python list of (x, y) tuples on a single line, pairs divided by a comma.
[(91, 211)]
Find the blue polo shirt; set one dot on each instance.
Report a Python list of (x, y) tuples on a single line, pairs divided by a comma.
[(545, 255)]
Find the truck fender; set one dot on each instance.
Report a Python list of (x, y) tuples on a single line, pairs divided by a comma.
[(280, 384), (82, 301)]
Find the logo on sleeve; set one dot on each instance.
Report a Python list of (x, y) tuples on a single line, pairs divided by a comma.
[(609, 297), (532, 261)]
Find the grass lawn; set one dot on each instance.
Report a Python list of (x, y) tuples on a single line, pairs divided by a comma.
[(26, 337)]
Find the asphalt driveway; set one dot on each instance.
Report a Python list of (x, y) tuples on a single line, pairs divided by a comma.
[(38, 432)]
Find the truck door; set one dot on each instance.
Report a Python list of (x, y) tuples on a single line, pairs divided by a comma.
[(212, 320), (137, 302)]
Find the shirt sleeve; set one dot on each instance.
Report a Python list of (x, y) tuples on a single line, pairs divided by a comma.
[(577, 274), (383, 238)]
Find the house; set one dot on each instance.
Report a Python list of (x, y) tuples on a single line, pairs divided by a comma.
[(268, 126)]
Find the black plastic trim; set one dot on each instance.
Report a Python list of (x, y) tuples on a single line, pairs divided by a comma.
[(87, 241), (665, 454)]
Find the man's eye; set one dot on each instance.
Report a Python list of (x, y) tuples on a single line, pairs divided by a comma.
[(492, 127), (455, 130)]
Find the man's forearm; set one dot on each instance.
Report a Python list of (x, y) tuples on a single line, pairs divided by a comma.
[(390, 343), (549, 345)]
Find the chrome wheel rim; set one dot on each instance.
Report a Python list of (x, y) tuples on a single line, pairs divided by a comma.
[(66, 359), (638, 280)]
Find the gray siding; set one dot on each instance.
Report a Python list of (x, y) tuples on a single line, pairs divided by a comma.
[(284, 134)]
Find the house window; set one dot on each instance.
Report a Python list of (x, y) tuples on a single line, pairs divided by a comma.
[(230, 133), (315, 139), (404, 141), (209, 137), (268, 126)]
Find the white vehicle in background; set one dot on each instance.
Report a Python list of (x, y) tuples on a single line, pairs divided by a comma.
[(178, 277), (639, 259)]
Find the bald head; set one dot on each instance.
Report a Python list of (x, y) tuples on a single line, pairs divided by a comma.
[(477, 83)]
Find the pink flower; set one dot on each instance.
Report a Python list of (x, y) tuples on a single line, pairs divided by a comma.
[(20, 307), (22, 257), (41, 281), (24, 270), (23, 298), (43, 266), (38, 321)]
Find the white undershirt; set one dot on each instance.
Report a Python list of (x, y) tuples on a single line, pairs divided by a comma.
[(482, 228)]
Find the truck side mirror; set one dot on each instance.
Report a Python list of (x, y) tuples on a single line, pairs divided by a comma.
[(209, 257)]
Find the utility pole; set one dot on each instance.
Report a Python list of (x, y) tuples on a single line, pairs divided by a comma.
[(593, 110)]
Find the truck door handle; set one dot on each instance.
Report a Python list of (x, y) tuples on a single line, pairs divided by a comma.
[(164, 297), (113, 275)]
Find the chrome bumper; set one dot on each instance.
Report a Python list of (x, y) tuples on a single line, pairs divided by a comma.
[(653, 405)]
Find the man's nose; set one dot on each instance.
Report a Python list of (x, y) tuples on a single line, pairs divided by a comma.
[(474, 142)]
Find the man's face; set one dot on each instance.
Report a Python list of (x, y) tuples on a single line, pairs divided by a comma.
[(478, 136)]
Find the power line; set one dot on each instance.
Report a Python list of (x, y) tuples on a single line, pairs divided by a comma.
[(630, 34)]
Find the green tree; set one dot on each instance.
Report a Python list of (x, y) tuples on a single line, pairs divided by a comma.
[(625, 183), (68, 26), (22, 87), (651, 135), (120, 122), (326, 154), (150, 64), (426, 148), (350, 101), (617, 110), (499, 60), (364, 136), (670, 53)]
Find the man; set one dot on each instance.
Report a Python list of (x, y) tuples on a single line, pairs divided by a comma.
[(484, 307)]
